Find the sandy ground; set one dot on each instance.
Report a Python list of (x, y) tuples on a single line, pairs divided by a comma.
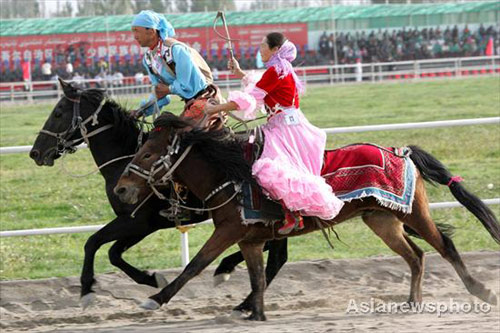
[(308, 296)]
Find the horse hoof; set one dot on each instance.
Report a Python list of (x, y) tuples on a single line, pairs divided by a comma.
[(221, 278), (150, 304), (491, 298), (256, 317), (161, 282), (237, 314), (87, 300)]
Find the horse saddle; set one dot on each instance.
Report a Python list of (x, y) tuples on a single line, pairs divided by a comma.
[(256, 207)]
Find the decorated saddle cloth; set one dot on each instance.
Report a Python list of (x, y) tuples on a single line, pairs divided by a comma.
[(355, 172), (366, 170)]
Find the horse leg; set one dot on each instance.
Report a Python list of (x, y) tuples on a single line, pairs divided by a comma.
[(421, 221), (223, 237), (278, 256), (228, 264), (252, 252), (390, 230), (155, 280), (118, 228)]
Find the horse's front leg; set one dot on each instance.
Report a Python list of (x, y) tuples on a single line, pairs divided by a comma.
[(223, 237), (119, 228)]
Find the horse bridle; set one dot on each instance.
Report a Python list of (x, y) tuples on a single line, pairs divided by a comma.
[(69, 146), (165, 162)]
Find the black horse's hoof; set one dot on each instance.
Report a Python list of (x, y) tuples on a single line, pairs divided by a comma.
[(161, 282), (257, 317), (87, 300), (221, 278), (237, 314), (150, 304)]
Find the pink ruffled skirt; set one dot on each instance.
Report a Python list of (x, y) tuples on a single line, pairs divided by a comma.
[(289, 167)]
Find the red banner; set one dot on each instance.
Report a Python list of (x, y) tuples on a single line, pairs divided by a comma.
[(120, 45)]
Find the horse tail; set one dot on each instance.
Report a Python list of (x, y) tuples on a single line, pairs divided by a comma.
[(434, 171)]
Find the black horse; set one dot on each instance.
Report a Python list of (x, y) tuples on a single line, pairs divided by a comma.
[(111, 133)]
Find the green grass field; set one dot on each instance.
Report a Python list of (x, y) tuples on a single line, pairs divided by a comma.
[(36, 197)]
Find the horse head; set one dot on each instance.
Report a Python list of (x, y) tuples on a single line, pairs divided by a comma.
[(153, 160), (62, 131)]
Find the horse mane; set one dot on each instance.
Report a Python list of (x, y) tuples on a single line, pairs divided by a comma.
[(218, 147), (125, 128)]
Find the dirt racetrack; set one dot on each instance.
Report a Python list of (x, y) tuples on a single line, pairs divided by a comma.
[(307, 296)]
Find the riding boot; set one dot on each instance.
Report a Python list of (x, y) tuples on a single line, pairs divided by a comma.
[(300, 224)]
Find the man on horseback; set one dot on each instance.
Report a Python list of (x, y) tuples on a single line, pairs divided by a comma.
[(174, 68)]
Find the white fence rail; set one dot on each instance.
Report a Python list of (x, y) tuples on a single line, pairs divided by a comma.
[(93, 228), (184, 235), (332, 74), (351, 129)]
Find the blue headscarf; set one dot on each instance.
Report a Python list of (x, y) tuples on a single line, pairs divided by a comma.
[(150, 19)]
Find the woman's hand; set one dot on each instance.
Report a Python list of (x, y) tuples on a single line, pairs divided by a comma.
[(216, 108), (161, 90), (234, 67), (211, 108)]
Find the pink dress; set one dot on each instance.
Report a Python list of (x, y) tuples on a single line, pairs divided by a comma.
[(289, 167)]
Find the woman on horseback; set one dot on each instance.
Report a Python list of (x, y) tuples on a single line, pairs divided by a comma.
[(289, 167)]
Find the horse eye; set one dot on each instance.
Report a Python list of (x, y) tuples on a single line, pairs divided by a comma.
[(146, 156), (57, 114)]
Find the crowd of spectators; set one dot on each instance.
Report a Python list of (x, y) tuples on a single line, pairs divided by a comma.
[(351, 47), (406, 44)]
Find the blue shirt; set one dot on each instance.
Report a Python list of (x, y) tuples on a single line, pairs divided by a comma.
[(188, 80)]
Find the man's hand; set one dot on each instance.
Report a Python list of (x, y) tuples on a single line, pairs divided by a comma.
[(161, 90)]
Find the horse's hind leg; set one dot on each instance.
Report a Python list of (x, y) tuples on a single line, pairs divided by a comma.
[(228, 264), (390, 230), (252, 252), (421, 221), (278, 256)]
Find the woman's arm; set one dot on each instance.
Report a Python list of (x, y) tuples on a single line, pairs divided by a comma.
[(226, 107)]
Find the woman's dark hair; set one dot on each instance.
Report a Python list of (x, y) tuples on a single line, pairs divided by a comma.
[(275, 39)]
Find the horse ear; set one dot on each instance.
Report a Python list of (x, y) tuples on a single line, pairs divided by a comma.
[(67, 88)]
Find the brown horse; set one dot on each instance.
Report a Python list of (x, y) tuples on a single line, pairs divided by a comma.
[(205, 160)]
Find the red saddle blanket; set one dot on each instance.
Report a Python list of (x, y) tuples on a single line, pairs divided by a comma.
[(355, 172), (366, 170)]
